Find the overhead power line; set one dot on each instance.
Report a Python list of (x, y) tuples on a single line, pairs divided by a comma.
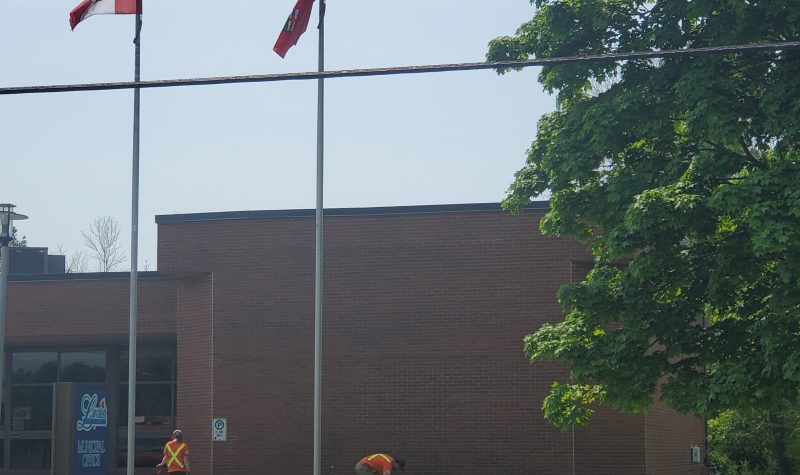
[(438, 68)]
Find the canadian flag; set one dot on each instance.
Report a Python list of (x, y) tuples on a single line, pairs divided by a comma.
[(87, 8)]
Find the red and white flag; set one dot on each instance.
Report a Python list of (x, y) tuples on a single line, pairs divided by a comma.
[(87, 8), (295, 26)]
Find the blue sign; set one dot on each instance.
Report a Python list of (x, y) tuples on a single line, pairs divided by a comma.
[(91, 429)]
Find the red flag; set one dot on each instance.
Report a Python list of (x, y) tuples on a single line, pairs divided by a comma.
[(87, 8), (295, 26)]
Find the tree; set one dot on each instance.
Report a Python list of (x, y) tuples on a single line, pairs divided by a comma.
[(17, 241), (102, 240), (77, 262), (681, 176), (742, 442)]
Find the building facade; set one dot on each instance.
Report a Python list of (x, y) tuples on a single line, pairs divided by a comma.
[(425, 309)]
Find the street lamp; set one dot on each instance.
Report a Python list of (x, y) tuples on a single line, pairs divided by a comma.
[(7, 218)]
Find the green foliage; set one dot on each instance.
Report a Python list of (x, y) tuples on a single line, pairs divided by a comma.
[(568, 403), (17, 241), (681, 175), (743, 442)]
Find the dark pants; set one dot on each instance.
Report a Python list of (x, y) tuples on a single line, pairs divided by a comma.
[(362, 469)]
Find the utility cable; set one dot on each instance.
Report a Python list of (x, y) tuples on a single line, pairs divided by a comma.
[(439, 68)]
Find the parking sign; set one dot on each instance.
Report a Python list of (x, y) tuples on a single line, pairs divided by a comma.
[(219, 429)]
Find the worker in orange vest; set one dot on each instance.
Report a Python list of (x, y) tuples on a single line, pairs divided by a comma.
[(382, 464), (176, 455)]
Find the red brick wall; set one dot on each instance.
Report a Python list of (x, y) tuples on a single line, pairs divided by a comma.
[(669, 440), (195, 368), (424, 316), (609, 442), (80, 311)]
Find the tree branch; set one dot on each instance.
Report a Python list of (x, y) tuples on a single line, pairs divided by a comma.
[(750, 157)]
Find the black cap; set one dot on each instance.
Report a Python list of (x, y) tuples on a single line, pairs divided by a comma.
[(401, 463)]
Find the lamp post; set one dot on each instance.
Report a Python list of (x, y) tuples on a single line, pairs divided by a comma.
[(7, 218)]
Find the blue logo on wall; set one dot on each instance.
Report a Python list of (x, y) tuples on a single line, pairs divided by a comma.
[(95, 413), (91, 429)]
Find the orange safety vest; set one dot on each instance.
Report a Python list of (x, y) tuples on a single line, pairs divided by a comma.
[(378, 462), (176, 453)]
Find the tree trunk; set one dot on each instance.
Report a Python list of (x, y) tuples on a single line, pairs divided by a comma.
[(779, 430)]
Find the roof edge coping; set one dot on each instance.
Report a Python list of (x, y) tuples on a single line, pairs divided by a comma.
[(144, 275), (331, 212)]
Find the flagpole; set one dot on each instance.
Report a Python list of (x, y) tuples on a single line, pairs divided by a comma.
[(134, 252), (318, 249)]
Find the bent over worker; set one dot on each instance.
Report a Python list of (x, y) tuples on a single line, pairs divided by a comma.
[(176, 455), (382, 464)]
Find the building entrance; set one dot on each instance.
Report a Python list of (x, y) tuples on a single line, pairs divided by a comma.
[(31, 412)]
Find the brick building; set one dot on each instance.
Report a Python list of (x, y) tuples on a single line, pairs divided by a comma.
[(425, 309)]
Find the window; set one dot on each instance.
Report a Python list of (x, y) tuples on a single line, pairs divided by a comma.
[(155, 405), (26, 419), (153, 366), (31, 404), (30, 420), (148, 451), (34, 367), (83, 367), (30, 453), (32, 408)]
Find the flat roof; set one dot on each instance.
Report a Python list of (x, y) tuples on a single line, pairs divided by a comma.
[(310, 213), (142, 275)]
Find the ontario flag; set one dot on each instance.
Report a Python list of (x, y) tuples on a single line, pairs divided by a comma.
[(87, 8), (295, 26)]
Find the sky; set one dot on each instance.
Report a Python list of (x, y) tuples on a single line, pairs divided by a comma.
[(441, 138)]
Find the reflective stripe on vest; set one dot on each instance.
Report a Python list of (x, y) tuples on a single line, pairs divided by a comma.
[(174, 455), (379, 455)]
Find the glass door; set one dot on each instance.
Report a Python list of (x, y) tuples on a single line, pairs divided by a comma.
[(27, 427)]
